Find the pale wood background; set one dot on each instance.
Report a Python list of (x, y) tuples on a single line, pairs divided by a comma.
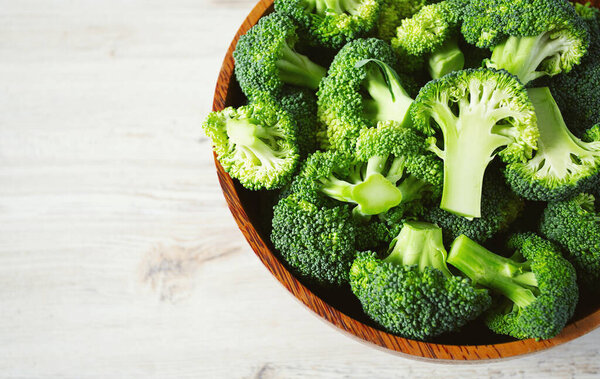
[(118, 256)]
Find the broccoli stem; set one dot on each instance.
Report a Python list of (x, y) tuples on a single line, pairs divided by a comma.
[(250, 138), (419, 243), (389, 101), (470, 141), (522, 56), (556, 144), (325, 7), (412, 188), (297, 69), (511, 279), (445, 59)]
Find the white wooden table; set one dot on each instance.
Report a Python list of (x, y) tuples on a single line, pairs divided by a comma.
[(118, 256)]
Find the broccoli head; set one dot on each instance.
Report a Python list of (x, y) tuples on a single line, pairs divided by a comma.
[(575, 225), (331, 23), (318, 243), (411, 292), (500, 207), (360, 90), (480, 113), (529, 39), (563, 165), (577, 92), (390, 168), (392, 13), (256, 144), (538, 286), (265, 59), (301, 104), (430, 35)]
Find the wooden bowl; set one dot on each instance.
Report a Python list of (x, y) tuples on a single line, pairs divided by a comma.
[(475, 342)]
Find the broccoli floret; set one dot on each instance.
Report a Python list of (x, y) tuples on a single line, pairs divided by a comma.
[(362, 66), (265, 59), (393, 12), (575, 225), (576, 93), (389, 168), (429, 35), (331, 23), (301, 104), (411, 292), (538, 286), (256, 144), (500, 207), (563, 164), (318, 243), (529, 39), (480, 113)]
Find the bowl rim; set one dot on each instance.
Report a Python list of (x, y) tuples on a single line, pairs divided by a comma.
[(354, 328)]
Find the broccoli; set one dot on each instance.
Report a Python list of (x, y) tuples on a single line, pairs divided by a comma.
[(265, 59), (392, 13), (576, 93), (480, 113), (500, 207), (538, 286), (331, 23), (563, 164), (430, 33), (390, 168), (411, 292), (529, 39), (317, 242), (575, 225), (301, 104), (256, 144), (362, 66)]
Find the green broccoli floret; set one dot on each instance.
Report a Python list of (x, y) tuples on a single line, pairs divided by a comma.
[(331, 23), (317, 242), (430, 35), (265, 59), (563, 164), (390, 168), (538, 285), (361, 89), (393, 12), (500, 207), (301, 104), (480, 113), (576, 93), (529, 39), (411, 292), (256, 144), (575, 225)]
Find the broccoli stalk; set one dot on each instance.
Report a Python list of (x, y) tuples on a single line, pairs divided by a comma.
[(420, 244), (389, 100), (324, 7), (511, 278), (445, 59), (297, 69), (479, 112)]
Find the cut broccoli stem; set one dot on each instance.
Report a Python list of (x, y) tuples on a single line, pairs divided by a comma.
[(419, 243), (556, 145), (297, 69), (389, 100), (445, 59), (257, 143), (523, 56), (506, 276)]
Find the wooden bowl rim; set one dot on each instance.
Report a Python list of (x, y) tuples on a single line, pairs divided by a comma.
[(365, 333)]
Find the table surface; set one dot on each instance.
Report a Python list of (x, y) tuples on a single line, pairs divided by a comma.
[(118, 255)]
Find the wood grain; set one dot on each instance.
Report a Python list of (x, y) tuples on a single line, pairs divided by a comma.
[(225, 91)]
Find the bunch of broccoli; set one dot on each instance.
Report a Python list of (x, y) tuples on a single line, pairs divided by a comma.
[(439, 159)]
